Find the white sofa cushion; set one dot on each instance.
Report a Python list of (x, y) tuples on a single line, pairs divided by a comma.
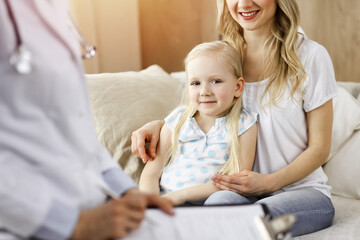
[(343, 170), (343, 166), (345, 121), (352, 87)]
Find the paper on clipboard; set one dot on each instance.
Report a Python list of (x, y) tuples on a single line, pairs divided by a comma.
[(201, 223)]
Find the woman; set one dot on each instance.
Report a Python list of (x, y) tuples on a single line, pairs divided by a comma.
[(290, 82)]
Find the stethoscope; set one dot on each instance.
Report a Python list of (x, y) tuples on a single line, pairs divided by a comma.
[(21, 59)]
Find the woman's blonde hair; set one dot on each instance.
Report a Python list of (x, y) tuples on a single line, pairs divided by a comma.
[(223, 52), (281, 61)]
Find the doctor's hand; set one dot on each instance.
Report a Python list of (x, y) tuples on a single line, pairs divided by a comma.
[(153, 200), (150, 132), (116, 218), (246, 183)]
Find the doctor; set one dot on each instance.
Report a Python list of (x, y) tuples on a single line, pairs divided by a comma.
[(54, 175)]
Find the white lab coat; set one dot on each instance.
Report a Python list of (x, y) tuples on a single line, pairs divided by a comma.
[(48, 148)]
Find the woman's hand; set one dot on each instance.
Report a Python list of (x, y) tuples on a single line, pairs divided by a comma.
[(246, 183), (150, 132)]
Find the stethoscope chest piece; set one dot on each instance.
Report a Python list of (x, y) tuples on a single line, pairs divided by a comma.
[(21, 59)]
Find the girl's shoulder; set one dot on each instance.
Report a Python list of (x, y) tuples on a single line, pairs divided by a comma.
[(175, 115), (246, 120), (248, 114)]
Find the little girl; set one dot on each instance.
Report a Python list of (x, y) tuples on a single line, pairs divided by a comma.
[(211, 134)]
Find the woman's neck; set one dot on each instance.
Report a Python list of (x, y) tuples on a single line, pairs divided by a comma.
[(256, 38), (254, 55)]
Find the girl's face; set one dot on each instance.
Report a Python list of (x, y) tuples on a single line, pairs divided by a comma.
[(212, 87), (253, 14)]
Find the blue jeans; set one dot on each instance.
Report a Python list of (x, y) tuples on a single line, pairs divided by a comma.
[(312, 209)]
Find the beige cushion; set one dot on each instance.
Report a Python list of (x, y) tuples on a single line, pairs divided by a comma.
[(343, 166), (123, 102), (352, 87), (343, 170), (346, 119)]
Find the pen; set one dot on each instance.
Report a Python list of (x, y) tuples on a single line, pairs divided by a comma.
[(113, 195)]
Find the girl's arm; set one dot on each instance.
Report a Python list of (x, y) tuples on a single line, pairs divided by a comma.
[(247, 142), (196, 193), (150, 176), (319, 123)]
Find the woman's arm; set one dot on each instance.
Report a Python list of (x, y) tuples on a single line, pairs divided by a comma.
[(150, 132), (150, 176), (319, 123)]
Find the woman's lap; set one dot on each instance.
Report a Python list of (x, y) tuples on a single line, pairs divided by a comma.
[(227, 197), (312, 209)]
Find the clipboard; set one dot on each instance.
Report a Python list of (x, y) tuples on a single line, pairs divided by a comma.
[(230, 222), (275, 229)]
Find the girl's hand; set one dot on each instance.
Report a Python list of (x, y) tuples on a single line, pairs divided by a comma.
[(246, 183), (175, 197), (150, 132)]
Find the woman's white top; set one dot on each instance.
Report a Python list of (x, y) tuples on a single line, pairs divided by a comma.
[(282, 129), (199, 155)]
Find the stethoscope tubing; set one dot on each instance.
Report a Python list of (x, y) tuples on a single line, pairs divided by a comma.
[(19, 41)]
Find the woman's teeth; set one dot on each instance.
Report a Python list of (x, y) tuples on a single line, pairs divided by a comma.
[(248, 14)]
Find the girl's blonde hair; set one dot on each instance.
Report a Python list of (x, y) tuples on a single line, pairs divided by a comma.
[(223, 52), (281, 61)]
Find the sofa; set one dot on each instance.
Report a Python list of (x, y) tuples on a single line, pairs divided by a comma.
[(123, 102)]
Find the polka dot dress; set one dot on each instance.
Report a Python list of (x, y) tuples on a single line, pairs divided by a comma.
[(199, 155)]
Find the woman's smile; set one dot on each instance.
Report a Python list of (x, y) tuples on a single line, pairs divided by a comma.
[(249, 15)]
